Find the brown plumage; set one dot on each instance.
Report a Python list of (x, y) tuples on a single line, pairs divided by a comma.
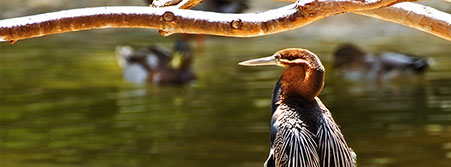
[(304, 78), (302, 131)]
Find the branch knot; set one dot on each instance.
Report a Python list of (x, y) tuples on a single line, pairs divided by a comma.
[(236, 24), (168, 16)]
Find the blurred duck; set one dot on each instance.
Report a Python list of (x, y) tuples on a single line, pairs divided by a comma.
[(156, 64), (355, 64)]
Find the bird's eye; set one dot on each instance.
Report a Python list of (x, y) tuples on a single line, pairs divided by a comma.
[(291, 58), (277, 56)]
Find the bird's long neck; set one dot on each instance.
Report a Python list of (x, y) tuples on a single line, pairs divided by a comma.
[(303, 80)]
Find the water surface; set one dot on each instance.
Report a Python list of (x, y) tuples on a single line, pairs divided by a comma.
[(64, 104)]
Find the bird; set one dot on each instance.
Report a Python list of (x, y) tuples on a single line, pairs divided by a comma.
[(302, 130), (157, 64), (353, 63)]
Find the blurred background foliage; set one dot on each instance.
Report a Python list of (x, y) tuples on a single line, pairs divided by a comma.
[(63, 100)]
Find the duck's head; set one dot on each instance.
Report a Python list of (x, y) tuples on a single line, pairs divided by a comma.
[(182, 56), (347, 54), (304, 74)]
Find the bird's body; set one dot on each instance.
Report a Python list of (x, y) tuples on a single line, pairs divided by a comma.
[(302, 130), (156, 64), (305, 131)]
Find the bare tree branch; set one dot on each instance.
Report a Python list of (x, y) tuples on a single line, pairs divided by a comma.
[(177, 4), (413, 15), (417, 16), (171, 20)]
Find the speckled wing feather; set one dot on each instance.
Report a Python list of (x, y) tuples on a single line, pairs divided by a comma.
[(275, 96), (333, 150), (295, 145), (273, 128)]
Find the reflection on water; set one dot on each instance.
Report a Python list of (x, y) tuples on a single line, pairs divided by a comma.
[(64, 103)]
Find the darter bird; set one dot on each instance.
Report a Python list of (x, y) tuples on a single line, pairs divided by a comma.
[(302, 130)]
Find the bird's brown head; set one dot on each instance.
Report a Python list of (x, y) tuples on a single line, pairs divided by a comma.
[(304, 74)]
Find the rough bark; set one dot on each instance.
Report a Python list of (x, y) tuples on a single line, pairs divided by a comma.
[(413, 15), (416, 16), (172, 20)]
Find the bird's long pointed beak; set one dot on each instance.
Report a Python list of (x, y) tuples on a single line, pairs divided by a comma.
[(271, 60)]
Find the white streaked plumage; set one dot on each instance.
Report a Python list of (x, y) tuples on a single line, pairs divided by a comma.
[(297, 146), (332, 146)]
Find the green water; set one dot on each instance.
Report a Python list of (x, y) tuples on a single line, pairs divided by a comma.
[(64, 104)]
